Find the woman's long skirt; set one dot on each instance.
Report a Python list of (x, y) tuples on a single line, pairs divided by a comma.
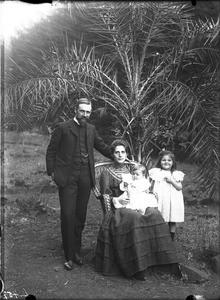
[(129, 242)]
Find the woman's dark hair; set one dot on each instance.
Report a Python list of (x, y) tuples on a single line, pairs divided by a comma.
[(162, 154), (118, 143)]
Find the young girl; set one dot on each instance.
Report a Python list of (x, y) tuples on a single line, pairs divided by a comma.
[(168, 187)]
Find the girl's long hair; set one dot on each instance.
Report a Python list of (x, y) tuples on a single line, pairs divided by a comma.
[(171, 155)]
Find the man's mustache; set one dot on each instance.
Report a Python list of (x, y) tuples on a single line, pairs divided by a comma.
[(84, 118)]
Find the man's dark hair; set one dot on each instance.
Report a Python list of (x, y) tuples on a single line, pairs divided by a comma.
[(83, 101)]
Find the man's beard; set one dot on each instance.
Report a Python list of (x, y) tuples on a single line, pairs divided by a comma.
[(82, 121)]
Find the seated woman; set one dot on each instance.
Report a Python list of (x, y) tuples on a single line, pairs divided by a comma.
[(129, 242)]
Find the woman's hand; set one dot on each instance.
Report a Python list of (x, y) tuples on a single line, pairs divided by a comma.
[(141, 211), (124, 202), (123, 199), (116, 202)]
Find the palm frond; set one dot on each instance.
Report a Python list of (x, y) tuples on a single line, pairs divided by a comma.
[(142, 62)]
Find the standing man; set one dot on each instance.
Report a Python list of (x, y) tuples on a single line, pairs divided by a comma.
[(70, 163)]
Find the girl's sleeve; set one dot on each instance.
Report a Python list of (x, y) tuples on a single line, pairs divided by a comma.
[(105, 184), (153, 173), (178, 175)]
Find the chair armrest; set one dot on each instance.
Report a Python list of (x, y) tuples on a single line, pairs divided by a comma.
[(107, 203)]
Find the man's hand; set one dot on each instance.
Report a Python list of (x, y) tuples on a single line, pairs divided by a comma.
[(52, 176)]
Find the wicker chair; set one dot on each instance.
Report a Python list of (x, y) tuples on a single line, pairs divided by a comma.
[(107, 205), (99, 168)]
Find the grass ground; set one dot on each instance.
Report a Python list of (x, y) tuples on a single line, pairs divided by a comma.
[(32, 256)]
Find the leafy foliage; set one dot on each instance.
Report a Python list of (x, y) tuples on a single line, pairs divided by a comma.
[(144, 63)]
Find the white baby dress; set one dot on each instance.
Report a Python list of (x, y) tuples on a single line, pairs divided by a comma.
[(139, 197)]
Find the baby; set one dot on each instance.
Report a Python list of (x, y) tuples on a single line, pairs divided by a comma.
[(136, 189)]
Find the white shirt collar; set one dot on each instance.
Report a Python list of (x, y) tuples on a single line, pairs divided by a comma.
[(75, 119)]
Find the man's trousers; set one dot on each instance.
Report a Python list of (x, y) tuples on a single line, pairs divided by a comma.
[(74, 197)]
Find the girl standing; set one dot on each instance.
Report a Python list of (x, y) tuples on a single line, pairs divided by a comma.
[(168, 187)]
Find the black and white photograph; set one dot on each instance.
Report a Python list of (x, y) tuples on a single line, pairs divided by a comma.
[(110, 114)]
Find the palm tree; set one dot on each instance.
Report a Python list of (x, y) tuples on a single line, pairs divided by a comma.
[(142, 62)]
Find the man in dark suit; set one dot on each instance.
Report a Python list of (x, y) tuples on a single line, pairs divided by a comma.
[(70, 163)]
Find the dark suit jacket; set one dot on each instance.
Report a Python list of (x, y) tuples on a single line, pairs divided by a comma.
[(60, 151)]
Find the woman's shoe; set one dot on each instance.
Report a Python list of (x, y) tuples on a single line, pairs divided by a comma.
[(78, 260), (140, 276), (68, 265)]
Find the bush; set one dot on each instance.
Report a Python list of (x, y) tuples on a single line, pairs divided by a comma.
[(200, 234), (206, 237)]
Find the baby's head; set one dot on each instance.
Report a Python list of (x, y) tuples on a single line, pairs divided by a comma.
[(139, 171)]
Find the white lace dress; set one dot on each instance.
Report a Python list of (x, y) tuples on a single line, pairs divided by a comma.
[(170, 200)]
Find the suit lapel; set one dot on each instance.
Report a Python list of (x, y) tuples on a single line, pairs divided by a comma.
[(73, 128), (88, 136), (88, 131)]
